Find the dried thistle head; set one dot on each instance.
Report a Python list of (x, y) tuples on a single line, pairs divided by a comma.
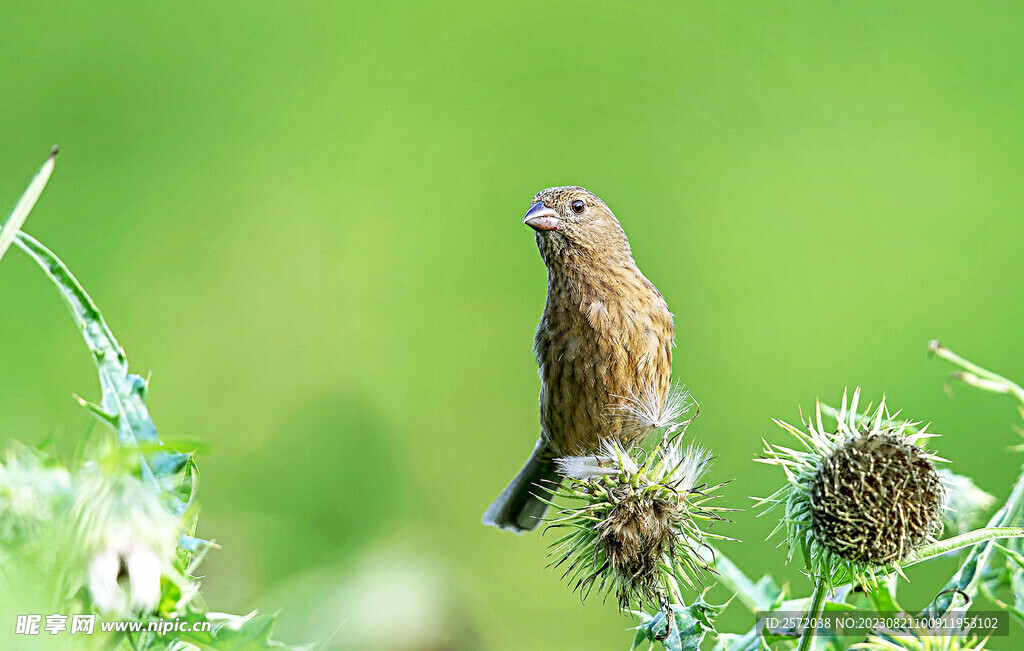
[(875, 498), (859, 498), (640, 524), (635, 535)]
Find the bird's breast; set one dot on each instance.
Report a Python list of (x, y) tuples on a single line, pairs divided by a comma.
[(596, 354)]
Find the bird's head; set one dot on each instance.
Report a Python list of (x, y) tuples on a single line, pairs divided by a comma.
[(574, 225)]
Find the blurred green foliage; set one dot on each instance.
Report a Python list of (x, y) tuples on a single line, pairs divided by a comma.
[(305, 219)]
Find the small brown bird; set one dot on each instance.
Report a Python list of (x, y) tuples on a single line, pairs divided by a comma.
[(604, 346)]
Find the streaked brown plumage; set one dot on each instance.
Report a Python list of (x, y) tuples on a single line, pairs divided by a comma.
[(604, 346)]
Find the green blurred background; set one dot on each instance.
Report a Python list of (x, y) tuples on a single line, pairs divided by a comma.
[(304, 218)]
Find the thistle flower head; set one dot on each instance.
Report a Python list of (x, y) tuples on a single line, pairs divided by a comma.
[(858, 498), (639, 523)]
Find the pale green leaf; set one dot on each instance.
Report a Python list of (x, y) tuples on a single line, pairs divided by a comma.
[(19, 213)]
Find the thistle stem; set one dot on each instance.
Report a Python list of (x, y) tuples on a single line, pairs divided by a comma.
[(677, 593), (813, 613), (977, 376)]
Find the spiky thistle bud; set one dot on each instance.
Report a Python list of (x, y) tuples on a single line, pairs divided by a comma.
[(639, 526), (858, 498)]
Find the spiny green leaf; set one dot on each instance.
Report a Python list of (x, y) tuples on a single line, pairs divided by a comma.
[(761, 596), (233, 632), (690, 625), (123, 392)]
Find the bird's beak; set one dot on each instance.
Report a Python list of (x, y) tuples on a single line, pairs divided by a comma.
[(541, 218)]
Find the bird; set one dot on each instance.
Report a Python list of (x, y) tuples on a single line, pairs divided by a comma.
[(603, 347)]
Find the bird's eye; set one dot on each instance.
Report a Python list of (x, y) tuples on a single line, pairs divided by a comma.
[(577, 206)]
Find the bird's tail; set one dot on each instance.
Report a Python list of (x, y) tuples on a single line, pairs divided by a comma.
[(519, 507)]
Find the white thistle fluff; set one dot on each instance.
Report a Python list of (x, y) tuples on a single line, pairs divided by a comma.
[(143, 567), (686, 467), (644, 410), (606, 463), (127, 537)]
